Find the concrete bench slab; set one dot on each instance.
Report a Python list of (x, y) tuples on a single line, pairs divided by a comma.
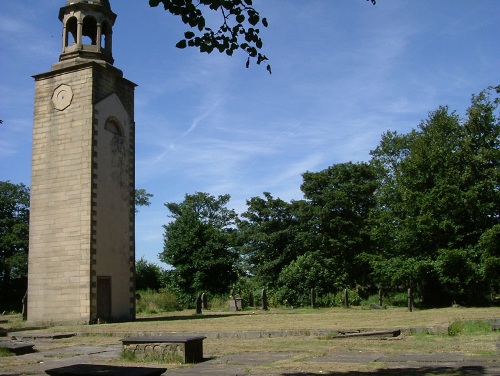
[(17, 348), (93, 369), (183, 349)]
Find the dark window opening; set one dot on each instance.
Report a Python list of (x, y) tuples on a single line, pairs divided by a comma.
[(89, 31)]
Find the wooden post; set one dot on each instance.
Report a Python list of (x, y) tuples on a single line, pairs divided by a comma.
[(346, 298), (380, 296)]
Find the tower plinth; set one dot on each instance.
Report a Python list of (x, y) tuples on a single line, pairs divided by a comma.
[(82, 246)]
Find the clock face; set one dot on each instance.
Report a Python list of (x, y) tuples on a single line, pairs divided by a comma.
[(62, 97)]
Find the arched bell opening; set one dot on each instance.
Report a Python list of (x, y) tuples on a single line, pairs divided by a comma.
[(71, 35), (106, 35), (89, 31)]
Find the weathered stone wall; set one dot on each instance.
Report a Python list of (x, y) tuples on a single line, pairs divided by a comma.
[(60, 219)]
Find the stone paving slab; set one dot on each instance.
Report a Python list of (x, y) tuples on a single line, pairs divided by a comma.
[(349, 357), (423, 358)]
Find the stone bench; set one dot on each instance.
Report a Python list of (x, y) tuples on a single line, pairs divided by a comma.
[(166, 348), (92, 369)]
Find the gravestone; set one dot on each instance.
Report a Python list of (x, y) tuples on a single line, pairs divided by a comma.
[(204, 300), (198, 305), (263, 298)]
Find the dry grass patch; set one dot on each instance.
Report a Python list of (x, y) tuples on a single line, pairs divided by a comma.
[(287, 319)]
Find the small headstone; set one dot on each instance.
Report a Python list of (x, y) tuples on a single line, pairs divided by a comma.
[(346, 298), (410, 300), (204, 300), (375, 306), (198, 305), (263, 298)]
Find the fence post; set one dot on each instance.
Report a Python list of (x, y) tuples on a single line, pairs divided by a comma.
[(313, 298)]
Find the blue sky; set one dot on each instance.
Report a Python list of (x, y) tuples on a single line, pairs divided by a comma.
[(344, 72)]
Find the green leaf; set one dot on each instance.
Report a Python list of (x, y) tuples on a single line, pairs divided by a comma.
[(264, 22), (181, 44), (189, 35), (254, 19), (240, 18)]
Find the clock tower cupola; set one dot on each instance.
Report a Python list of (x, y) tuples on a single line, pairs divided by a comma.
[(87, 30)]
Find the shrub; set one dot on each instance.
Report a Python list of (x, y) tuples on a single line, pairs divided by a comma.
[(154, 302)]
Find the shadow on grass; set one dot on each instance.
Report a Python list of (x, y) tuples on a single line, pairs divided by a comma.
[(191, 317), (421, 371)]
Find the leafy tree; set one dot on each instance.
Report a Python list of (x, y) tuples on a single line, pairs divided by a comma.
[(148, 276), (200, 245), (439, 194), (268, 236), (335, 219), (14, 227), (239, 29), (307, 271), (142, 198)]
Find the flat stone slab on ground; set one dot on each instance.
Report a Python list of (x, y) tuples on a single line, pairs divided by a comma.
[(255, 358), (423, 358), (349, 357), (92, 369), (44, 336), (18, 348)]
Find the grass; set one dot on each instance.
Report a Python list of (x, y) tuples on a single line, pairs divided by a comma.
[(470, 334), (4, 352)]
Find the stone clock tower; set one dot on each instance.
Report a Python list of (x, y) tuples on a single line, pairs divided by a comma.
[(81, 251)]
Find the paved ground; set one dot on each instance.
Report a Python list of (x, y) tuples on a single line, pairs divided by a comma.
[(242, 364)]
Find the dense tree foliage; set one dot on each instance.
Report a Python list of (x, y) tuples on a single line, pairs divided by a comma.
[(239, 29), (14, 228), (424, 212), (267, 233), (148, 276), (439, 197), (335, 221), (200, 246)]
